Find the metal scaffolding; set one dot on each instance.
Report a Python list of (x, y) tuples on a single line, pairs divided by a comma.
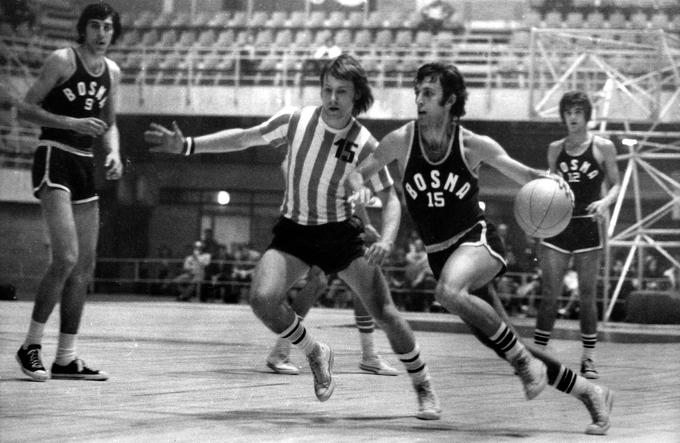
[(633, 79)]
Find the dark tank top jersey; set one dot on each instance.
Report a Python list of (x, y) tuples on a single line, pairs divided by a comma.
[(82, 95), (442, 197), (584, 175)]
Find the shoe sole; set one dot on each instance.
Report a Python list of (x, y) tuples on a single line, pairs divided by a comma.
[(429, 415), (33, 375), (331, 387), (590, 375), (283, 371), (602, 430), (378, 370), (79, 377)]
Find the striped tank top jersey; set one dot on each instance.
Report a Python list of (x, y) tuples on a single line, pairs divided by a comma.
[(318, 161), (442, 197), (81, 95), (584, 175)]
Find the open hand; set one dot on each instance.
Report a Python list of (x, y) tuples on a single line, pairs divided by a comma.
[(164, 140)]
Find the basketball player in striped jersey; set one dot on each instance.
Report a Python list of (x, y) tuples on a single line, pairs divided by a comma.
[(587, 163), (439, 160), (314, 284), (76, 89), (317, 225)]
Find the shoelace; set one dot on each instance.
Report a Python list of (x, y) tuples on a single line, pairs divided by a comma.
[(34, 359), (315, 365)]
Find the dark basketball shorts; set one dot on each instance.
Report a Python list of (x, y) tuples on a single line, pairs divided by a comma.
[(483, 234), (582, 234), (56, 168), (331, 246)]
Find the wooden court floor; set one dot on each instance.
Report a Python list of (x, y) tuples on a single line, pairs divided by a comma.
[(190, 372)]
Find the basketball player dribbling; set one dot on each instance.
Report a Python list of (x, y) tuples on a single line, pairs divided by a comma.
[(586, 162), (317, 225), (77, 90), (439, 161)]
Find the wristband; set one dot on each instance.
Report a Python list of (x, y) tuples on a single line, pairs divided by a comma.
[(188, 146)]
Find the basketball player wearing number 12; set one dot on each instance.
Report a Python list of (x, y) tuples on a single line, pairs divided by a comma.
[(439, 160), (586, 162)]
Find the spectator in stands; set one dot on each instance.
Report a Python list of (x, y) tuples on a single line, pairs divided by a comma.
[(193, 273), (222, 275), (672, 274), (435, 14), (652, 272), (63, 171), (163, 271), (327, 51)]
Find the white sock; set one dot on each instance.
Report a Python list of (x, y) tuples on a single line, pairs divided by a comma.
[(366, 326), (66, 349), (281, 349), (297, 334), (35, 333)]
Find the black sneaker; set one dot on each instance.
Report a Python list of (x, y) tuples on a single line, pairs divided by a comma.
[(28, 358), (76, 370), (588, 369)]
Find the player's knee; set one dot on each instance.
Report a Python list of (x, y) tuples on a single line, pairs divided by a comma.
[(260, 301), (64, 262), (450, 296)]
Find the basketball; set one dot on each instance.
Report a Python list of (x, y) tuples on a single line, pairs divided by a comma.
[(542, 209)]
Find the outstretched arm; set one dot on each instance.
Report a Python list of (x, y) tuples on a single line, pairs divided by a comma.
[(229, 140)]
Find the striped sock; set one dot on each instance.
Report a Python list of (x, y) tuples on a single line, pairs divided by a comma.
[(415, 366), (66, 349), (297, 334), (568, 381), (541, 337), (589, 341), (35, 333), (505, 342), (366, 326)]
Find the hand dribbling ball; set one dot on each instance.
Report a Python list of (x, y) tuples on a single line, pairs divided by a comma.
[(542, 209)]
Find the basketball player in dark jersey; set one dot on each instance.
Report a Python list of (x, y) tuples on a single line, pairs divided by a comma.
[(586, 162), (318, 225), (76, 89), (439, 162)]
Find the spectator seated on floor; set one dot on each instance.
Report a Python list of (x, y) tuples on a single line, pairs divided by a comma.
[(419, 279), (193, 273)]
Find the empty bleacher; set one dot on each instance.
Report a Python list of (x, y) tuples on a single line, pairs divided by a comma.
[(274, 46)]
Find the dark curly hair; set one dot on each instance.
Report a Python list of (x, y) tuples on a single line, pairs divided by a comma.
[(346, 67), (571, 99), (451, 81), (98, 11)]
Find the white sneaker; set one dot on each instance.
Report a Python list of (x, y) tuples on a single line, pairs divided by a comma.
[(284, 367), (377, 365), (599, 402), (321, 364), (532, 372), (428, 402)]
